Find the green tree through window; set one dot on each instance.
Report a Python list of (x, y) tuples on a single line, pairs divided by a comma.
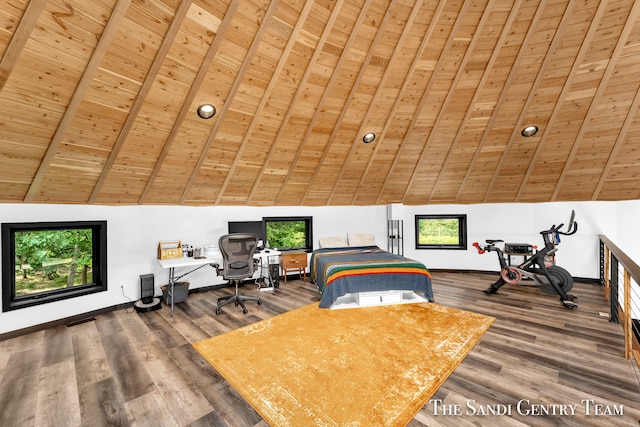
[(441, 232), (289, 233), (44, 262), (52, 259)]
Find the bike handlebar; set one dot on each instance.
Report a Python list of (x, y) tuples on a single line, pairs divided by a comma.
[(477, 246), (573, 228)]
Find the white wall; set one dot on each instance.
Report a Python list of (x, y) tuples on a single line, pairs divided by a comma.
[(133, 236), (628, 228), (519, 223), (134, 233)]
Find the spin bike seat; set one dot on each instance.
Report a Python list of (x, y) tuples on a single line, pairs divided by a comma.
[(491, 242)]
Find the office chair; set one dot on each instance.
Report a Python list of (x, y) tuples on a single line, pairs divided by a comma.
[(237, 251)]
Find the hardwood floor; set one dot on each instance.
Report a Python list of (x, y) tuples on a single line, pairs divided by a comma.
[(130, 369)]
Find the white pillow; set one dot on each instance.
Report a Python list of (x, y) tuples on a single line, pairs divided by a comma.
[(361, 239), (333, 242)]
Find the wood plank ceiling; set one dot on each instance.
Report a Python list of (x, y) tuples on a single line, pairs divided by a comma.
[(98, 101)]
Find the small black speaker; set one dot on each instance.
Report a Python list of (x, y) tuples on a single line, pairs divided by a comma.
[(146, 288)]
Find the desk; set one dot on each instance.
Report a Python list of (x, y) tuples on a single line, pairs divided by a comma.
[(193, 263), (197, 263)]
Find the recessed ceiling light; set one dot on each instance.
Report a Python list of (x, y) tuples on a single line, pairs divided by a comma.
[(206, 111), (369, 137), (529, 131)]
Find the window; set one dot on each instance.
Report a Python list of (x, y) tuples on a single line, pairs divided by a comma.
[(441, 232), (50, 261), (289, 233)]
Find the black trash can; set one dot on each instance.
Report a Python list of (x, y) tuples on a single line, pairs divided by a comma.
[(180, 292)]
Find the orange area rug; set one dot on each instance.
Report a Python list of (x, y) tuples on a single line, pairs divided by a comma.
[(372, 366)]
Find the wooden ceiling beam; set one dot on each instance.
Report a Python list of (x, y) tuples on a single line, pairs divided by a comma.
[(363, 69), (193, 91), (273, 82), (19, 39), (334, 76), (532, 93), (405, 87), (292, 108), (628, 121), (456, 81), (150, 77), (584, 47), (425, 98), (503, 95), (264, 24), (608, 74), (504, 34), (101, 49), (381, 86)]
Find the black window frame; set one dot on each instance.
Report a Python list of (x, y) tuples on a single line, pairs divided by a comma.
[(308, 220), (99, 267), (462, 232)]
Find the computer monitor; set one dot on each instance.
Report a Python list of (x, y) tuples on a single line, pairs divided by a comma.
[(254, 227)]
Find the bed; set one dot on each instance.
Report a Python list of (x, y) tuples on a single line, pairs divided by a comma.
[(365, 269)]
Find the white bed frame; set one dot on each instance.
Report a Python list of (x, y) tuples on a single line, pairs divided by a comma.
[(375, 298)]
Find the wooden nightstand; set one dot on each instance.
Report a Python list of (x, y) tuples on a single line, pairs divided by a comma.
[(294, 261)]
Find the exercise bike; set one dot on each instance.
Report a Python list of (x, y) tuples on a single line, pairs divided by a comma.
[(540, 267)]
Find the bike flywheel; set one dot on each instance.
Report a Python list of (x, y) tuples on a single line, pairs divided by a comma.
[(511, 275)]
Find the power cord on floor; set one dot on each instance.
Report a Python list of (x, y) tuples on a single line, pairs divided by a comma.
[(128, 310)]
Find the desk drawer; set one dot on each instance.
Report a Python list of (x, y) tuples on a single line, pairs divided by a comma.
[(296, 260)]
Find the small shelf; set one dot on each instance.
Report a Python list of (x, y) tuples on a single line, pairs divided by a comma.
[(395, 236), (516, 250)]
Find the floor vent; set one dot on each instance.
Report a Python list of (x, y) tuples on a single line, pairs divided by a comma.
[(78, 322)]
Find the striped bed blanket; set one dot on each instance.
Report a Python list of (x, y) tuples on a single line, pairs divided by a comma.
[(338, 271)]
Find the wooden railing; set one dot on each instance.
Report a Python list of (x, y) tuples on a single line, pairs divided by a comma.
[(620, 276)]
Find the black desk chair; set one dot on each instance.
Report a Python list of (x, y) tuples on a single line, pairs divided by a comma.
[(237, 254)]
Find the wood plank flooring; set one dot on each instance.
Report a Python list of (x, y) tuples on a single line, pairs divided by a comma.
[(130, 369)]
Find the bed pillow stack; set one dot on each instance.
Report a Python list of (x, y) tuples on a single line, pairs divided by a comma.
[(361, 239), (333, 242), (352, 239)]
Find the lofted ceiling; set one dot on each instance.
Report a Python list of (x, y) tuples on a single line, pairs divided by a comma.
[(98, 101)]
